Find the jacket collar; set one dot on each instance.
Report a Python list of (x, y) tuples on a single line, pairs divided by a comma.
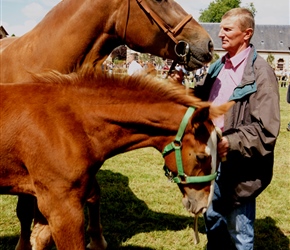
[(248, 84)]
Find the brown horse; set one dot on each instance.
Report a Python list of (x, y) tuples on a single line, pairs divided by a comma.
[(171, 33), (82, 33), (55, 136)]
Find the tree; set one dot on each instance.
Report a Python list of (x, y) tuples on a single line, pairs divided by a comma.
[(144, 57), (270, 60), (217, 8), (215, 58), (159, 62), (119, 53), (252, 8)]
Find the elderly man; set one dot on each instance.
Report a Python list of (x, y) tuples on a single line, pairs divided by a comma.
[(250, 130)]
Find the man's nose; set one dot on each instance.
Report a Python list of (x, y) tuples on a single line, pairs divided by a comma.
[(221, 33)]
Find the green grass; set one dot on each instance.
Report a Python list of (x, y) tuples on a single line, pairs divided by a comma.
[(142, 210)]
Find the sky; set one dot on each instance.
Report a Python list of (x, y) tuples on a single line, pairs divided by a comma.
[(20, 16)]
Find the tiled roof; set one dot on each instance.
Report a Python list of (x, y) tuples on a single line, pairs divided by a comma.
[(3, 30), (270, 38)]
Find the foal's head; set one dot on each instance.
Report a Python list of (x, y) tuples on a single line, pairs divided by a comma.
[(191, 159)]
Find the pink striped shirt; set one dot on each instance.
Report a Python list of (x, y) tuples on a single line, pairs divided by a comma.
[(227, 80)]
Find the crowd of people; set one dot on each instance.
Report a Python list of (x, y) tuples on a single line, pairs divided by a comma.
[(135, 66)]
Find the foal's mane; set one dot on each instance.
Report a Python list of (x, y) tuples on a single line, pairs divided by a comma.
[(156, 86)]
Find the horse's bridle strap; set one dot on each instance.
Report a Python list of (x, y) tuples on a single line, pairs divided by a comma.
[(170, 32), (181, 24)]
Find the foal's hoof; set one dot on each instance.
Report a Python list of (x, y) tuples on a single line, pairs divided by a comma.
[(23, 245), (98, 245)]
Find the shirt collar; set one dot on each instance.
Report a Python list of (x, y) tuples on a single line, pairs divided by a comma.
[(237, 59)]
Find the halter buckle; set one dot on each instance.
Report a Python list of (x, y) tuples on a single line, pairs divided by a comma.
[(181, 49), (176, 144)]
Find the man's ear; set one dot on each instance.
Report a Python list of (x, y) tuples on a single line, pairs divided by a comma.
[(248, 33)]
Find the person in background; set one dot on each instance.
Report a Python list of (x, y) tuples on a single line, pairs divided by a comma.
[(288, 100), (250, 130), (284, 78), (150, 68), (134, 66), (177, 75), (197, 75)]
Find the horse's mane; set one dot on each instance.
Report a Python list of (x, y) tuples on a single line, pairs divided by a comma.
[(90, 79)]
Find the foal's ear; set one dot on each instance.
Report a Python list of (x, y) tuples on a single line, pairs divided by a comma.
[(200, 115), (216, 111), (211, 112)]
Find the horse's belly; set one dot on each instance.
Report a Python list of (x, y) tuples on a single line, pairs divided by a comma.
[(14, 180)]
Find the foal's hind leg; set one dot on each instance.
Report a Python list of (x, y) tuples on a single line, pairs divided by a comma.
[(25, 214), (97, 240), (41, 238)]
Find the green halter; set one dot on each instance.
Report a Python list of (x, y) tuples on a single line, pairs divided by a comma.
[(176, 146)]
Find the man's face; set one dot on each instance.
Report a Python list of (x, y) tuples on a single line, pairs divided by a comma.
[(177, 75), (130, 58), (233, 39)]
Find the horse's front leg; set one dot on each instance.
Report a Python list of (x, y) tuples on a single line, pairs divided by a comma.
[(97, 240), (25, 214), (64, 213)]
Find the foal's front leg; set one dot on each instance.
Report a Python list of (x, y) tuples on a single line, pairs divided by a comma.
[(97, 240), (65, 217), (41, 238)]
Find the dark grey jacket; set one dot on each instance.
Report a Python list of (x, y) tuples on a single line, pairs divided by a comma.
[(251, 127)]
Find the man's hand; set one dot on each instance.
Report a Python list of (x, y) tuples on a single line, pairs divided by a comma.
[(223, 147)]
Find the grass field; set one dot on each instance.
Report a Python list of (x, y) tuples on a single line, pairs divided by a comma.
[(142, 210)]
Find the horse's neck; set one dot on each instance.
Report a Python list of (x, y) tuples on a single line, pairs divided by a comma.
[(84, 40)]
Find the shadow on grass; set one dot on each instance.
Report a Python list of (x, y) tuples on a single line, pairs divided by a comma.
[(124, 215), (268, 236), (8, 242)]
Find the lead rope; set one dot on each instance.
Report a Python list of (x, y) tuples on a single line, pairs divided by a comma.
[(195, 229)]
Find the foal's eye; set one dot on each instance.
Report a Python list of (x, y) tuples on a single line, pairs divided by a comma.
[(159, 1)]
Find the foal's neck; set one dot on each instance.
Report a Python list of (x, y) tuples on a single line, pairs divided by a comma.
[(135, 125)]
